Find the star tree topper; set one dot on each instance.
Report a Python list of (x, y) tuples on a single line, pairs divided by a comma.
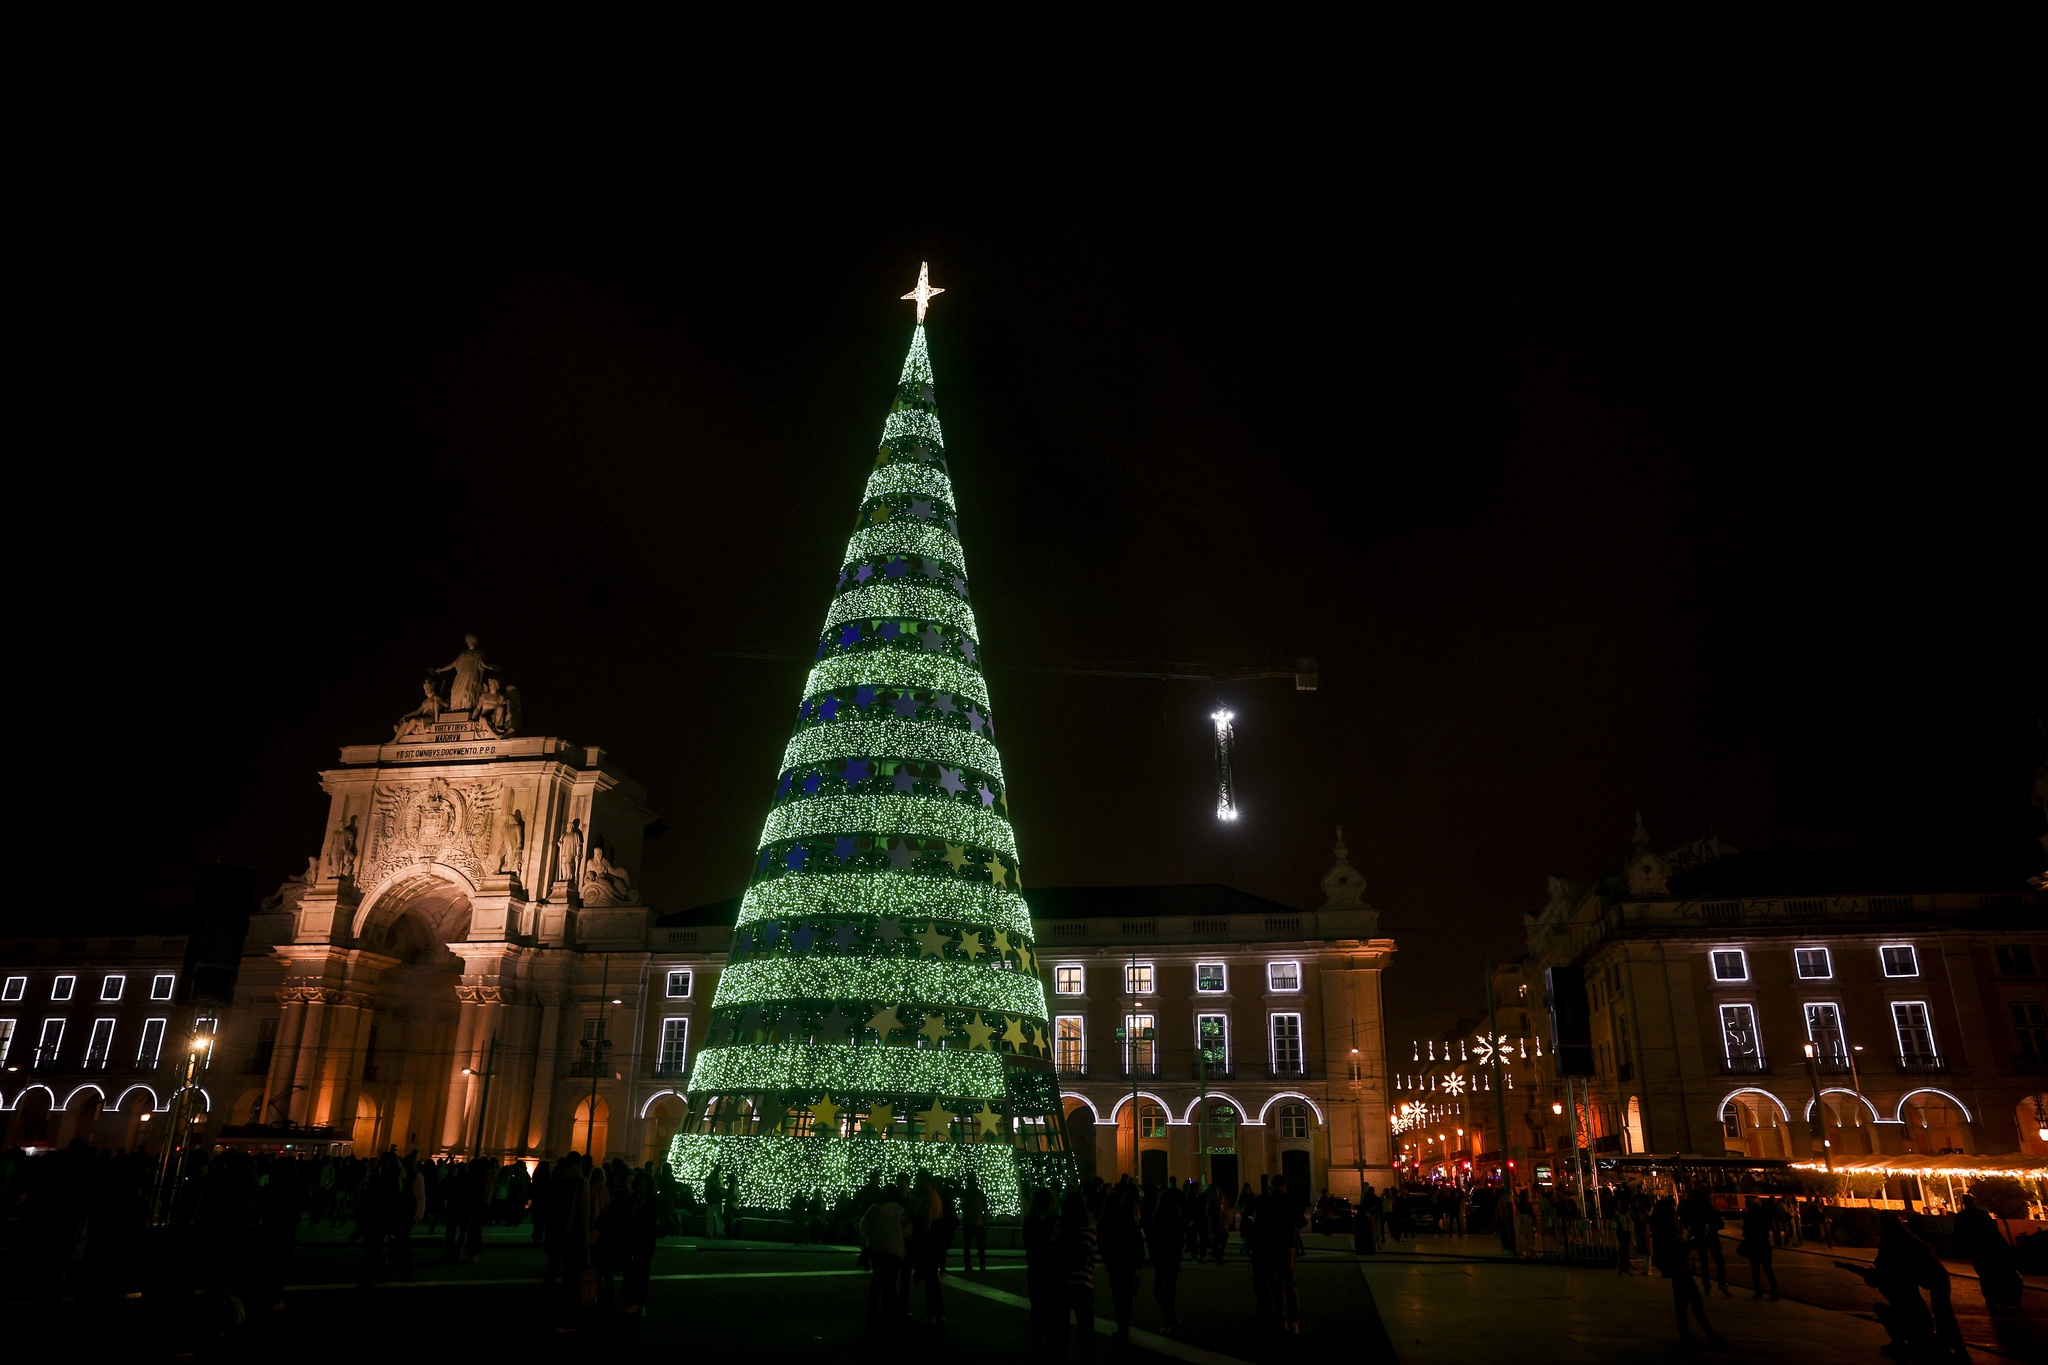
[(924, 291)]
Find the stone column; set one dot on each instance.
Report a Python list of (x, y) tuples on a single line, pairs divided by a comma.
[(540, 1108), (454, 1123), (284, 1055), (351, 1032)]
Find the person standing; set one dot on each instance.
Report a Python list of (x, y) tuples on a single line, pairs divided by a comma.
[(636, 1242), (1118, 1242), (974, 1226), (1703, 1223), (1618, 1215), (568, 1237), (1757, 1227), (1980, 1240), (882, 1233), (926, 1211), (1077, 1272), (1672, 1256), (1166, 1235)]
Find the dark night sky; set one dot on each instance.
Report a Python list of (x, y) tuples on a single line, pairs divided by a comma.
[(1675, 474)]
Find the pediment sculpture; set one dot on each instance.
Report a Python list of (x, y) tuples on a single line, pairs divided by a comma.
[(604, 881), (475, 704)]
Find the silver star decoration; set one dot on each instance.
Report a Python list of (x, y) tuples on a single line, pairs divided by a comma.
[(906, 706), (934, 570), (889, 930), (843, 935), (924, 293), (945, 704), (949, 778), (921, 508), (905, 780), (931, 637), (902, 856)]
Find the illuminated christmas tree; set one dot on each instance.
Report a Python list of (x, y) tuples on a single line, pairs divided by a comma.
[(881, 1012)]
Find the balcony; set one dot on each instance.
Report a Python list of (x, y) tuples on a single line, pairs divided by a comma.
[(671, 1066), (1922, 1064), (1225, 1072), (1072, 1069), (1757, 1065), (1832, 1066), (1287, 1071)]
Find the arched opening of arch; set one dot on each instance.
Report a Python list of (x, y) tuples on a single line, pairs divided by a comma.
[(590, 1133), (1081, 1136), (415, 1012), (1934, 1124), (1751, 1127)]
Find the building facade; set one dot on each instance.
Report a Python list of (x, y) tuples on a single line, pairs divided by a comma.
[(1704, 976)]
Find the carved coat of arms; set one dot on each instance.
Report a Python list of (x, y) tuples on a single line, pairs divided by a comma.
[(443, 822)]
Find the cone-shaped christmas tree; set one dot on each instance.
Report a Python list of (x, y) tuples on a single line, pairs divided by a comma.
[(881, 1012)]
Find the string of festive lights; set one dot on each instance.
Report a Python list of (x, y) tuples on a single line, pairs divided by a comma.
[(901, 599), (895, 894), (907, 477), (929, 982), (896, 668), (915, 425), (771, 1172), (849, 1071), (918, 741), (907, 538), (924, 816)]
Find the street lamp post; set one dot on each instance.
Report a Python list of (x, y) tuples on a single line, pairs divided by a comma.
[(483, 1108), (1820, 1113), (1856, 1084)]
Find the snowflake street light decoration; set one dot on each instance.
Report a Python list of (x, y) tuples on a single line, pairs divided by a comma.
[(1492, 1051), (1226, 782), (1454, 1083)]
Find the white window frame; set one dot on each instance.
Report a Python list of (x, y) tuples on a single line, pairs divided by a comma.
[(663, 1065), (63, 987), (208, 1025), (99, 1045), (1827, 962), (1841, 1039), (14, 988), (1133, 1025), (6, 1038), (1899, 1033), (1080, 1050), (1222, 975), (1080, 978), (162, 985), (45, 1042), (1273, 985), (1300, 1066), (1225, 1018), (1134, 972), (151, 1049), (1714, 956), (668, 985), (1736, 1009), (1912, 954), (1138, 1121), (113, 984), (1281, 1117)]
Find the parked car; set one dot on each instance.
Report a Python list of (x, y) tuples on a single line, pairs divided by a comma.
[(1331, 1214)]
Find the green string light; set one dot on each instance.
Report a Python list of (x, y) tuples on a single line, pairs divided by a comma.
[(917, 741)]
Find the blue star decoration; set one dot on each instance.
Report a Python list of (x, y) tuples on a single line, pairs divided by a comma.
[(896, 568), (988, 798), (905, 704), (864, 573), (795, 858), (828, 708), (842, 580), (932, 638), (842, 848), (949, 778), (967, 649), (857, 770), (744, 943), (788, 780), (960, 587), (812, 782), (921, 508), (944, 702), (904, 778), (849, 637), (902, 857), (890, 630), (767, 857), (976, 720), (934, 570), (843, 936), (888, 930), (863, 698), (770, 931), (802, 938)]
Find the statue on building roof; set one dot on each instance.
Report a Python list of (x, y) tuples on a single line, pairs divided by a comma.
[(469, 669), (1647, 873), (423, 716), (497, 709)]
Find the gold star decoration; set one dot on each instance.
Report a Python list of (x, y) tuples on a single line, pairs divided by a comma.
[(935, 1124), (825, 1118), (1038, 1039), (935, 1028), (885, 1022), (997, 872), (934, 940), (978, 1033), (989, 1122), (880, 514), (1005, 801), (970, 944), (1003, 944), (1023, 957), (1014, 1034), (956, 856), (880, 1118)]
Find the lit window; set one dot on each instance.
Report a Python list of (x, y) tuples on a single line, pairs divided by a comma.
[(1731, 964), (152, 1044), (1070, 1043), (1824, 1031), (1213, 1031), (99, 1044), (6, 1038), (1287, 1044), (679, 985), (1283, 976), (1209, 976), (61, 988), (1140, 1045), (1068, 980), (1738, 1036), (1916, 1034), (1151, 1121), (1138, 978), (160, 986), (675, 1047), (1814, 964), (1293, 1121), (52, 1040), (1899, 959), (112, 986), (13, 987)]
